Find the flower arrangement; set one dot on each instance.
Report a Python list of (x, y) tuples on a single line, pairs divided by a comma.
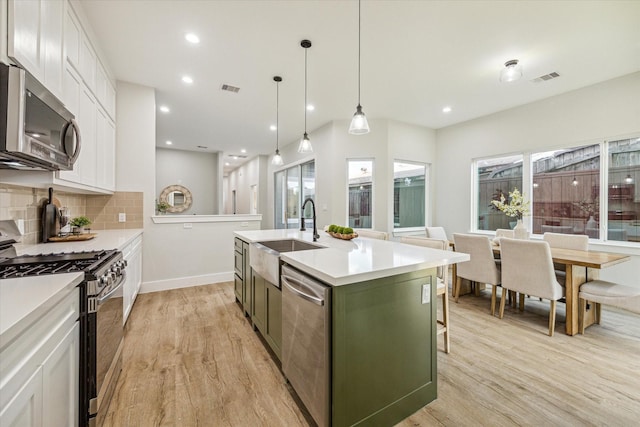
[(588, 207), (516, 207)]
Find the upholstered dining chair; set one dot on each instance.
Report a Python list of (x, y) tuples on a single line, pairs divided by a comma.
[(442, 284), (603, 292), (436, 233), (527, 268), (481, 268), (372, 234), (578, 242)]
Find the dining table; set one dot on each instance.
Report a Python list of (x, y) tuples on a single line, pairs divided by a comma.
[(581, 266)]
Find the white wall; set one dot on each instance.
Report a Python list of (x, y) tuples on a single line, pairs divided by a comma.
[(333, 145), (173, 255), (194, 170), (588, 115)]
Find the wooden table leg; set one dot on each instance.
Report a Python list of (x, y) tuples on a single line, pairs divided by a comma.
[(575, 277)]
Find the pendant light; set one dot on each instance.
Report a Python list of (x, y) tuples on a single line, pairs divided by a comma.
[(277, 158), (305, 143), (359, 124)]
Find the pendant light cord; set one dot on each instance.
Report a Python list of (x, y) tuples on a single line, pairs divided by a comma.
[(305, 90), (359, 21), (277, 114)]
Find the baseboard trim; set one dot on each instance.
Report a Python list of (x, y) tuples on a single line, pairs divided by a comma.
[(185, 282)]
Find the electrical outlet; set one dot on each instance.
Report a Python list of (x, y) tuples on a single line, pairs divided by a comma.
[(426, 293), (187, 225), (122, 217)]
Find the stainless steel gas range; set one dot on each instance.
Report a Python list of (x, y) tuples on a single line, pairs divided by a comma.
[(101, 321)]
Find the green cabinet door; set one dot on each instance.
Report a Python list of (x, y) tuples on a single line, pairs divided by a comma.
[(237, 287), (384, 349), (259, 310), (246, 279), (274, 319)]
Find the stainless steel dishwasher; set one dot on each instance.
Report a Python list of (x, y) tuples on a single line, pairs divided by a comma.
[(306, 334)]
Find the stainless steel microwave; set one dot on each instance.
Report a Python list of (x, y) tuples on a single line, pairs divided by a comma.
[(36, 130)]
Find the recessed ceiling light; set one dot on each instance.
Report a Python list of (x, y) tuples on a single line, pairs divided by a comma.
[(273, 127), (192, 38), (226, 163), (235, 157), (169, 143), (164, 109), (310, 107), (243, 151), (187, 79), (446, 109)]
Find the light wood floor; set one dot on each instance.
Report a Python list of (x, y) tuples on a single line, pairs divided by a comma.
[(192, 359)]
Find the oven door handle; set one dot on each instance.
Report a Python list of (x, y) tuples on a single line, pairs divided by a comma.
[(112, 291)]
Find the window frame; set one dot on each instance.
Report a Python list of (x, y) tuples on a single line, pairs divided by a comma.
[(373, 188), (527, 184), (427, 194)]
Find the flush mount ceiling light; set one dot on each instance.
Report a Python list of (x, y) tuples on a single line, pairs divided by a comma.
[(511, 72), (305, 143), (164, 109), (359, 124), (192, 38), (277, 158)]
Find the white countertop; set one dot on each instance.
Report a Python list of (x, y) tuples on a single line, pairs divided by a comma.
[(105, 239), (24, 300), (351, 261)]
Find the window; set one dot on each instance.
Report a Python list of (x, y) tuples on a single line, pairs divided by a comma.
[(495, 177), (360, 190), (566, 194), (409, 194), (623, 192), (288, 195), (566, 191)]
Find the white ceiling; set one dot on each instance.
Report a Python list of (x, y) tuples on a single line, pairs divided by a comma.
[(417, 57)]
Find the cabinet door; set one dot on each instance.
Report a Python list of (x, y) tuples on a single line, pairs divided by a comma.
[(259, 308), (52, 27), (87, 62), (246, 280), (274, 318), (25, 409), (60, 377), (25, 37), (72, 37), (105, 151), (237, 287)]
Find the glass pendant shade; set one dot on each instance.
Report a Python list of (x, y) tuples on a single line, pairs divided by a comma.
[(305, 145), (277, 159), (359, 124), (511, 72), (628, 179)]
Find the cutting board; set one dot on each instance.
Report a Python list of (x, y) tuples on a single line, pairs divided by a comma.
[(73, 237)]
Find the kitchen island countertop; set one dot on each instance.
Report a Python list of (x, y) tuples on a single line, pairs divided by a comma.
[(350, 261)]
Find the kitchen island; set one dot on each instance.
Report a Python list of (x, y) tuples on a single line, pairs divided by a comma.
[(381, 327)]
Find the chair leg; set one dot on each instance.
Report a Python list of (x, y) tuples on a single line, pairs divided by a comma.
[(503, 299), (552, 317), (445, 321), (476, 289), (521, 302), (598, 312), (493, 299), (582, 312), (458, 286)]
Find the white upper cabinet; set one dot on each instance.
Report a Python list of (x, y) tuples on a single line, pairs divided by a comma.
[(35, 39), (88, 63), (72, 37)]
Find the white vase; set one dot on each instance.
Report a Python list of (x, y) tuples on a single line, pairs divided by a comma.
[(520, 231), (591, 223)]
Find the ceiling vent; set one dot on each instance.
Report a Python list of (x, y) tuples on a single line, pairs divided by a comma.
[(230, 88), (546, 77), (202, 147), (237, 156)]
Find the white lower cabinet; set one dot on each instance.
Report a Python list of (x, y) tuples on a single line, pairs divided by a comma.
[(39, 370), (133, 255)]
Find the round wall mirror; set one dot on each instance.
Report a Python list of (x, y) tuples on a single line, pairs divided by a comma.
[(178, 197)]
